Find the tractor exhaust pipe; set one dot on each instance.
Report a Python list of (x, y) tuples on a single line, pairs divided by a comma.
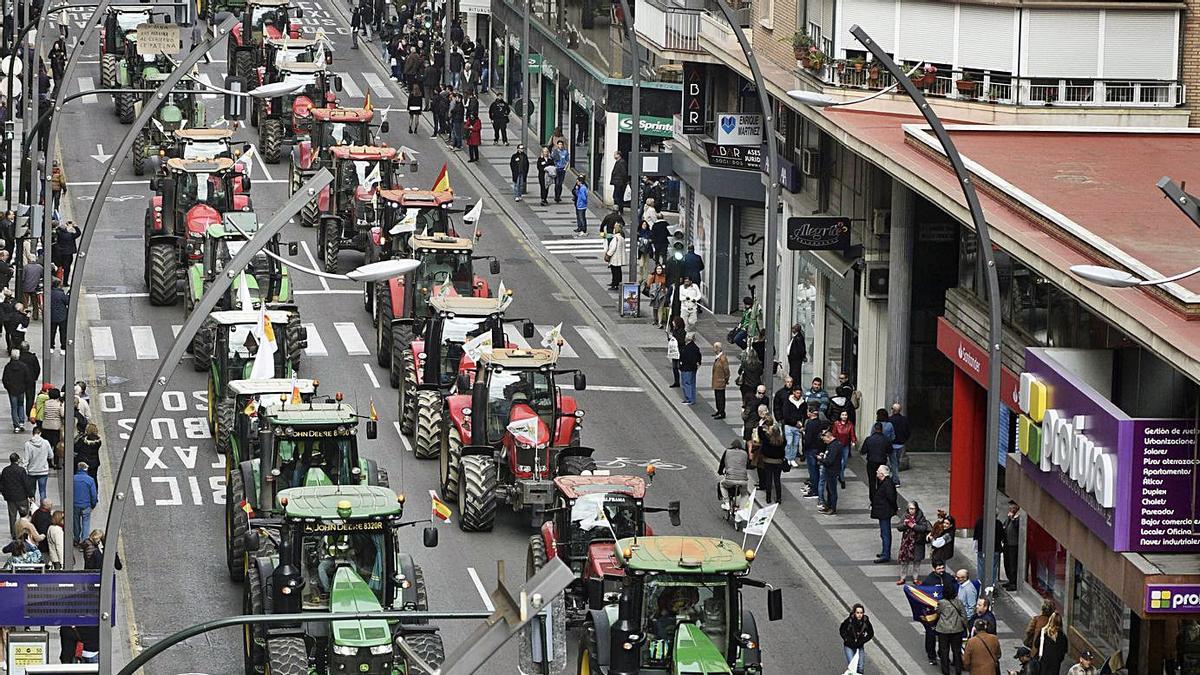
[(625, 645), (266, 452)]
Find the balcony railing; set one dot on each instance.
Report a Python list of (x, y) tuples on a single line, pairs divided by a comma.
[(668, 26)]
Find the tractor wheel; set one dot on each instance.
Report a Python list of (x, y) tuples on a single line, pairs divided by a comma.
[(402, 337), (270, 140), (231, 58), (535, 557), (422, 591), (383, 337), (294, 348), (125, 108), (429, 424), (242, 66), (477, 495), (288, 656), (376, 475), (407, 412), (429, 647), (450, 467), (309, 214), (140, 144), (108, 70), (202, 347), (332, 239), (225, 423), (575, 465), (254, 636), (369, 300), (164, 274), (237, 523)]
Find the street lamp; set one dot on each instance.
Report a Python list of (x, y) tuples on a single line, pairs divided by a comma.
[(984, 239), (1115, 278)]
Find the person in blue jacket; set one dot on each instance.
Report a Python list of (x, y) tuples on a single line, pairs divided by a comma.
[(581, 203)]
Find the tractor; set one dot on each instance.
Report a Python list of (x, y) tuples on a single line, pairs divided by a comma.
[(279, 52), (181, 109), (579, 539), (331, 126), (672, 605), (300, 444), (436, 363), (190, 196), (402, 213), (120, 24), (196, 143), (349, 207), (530, 435), (261, 19), (143, 71), (335, 550), (287, 118), (402, 304)]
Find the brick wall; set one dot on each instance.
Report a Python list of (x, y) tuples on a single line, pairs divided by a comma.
[(1190, 59), (776, 45)]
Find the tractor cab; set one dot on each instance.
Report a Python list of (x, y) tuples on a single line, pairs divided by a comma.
[(181, 109), (198, 143), (281, 52), (286, 118), (118, 39), (406, 212), (262, 20), (349, 208), (332, 126)]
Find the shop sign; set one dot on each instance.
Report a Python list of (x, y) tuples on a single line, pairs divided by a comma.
[(748, 157), (973, 360), (535, 63), (649, 126), (789, 176), (1131, 481), (1173, 598), (694, 110), (818, 233), (739, 129)]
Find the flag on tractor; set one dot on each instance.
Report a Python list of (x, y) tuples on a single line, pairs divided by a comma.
[(295, 399), (367, 105), (442, 184), (264, 360), (374, 415), (245, 301), (440, 510)]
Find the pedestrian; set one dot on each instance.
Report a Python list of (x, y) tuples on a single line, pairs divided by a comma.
[(983, 612), (31, 284), (59, 300), (619, 180), (557, 138), (34, 369), (58, 184), (456, 67), (50, 418), (458, 115), (69, 643), (816, 398), (850, 397), (750, 407), (1085, 665), (24, 551), (689, 363), (498, 112), (1012, 537), (473, 129), (645, 248), (518, 166), (16, 382), (40, 519), (843, 431), (951, 623), (17, 490), (607, 225), (831, 462), (561, 158), (650, 215), (750, 372), (660, 235), (39, 404), (902, 431), (87, 449), (93, 551), (689, 301), (1033, 629), (998, 543), (6, 272), (85, 500), (54, 540), (366, 19), (734, 472), (1024, 657), (792, 413), (768, 444), (64, 22), (355, 25), (693, 265), (656, 288), (616, 254), (780, 397), (89, 640), (856, 632), (546, 173), (814, 431), (675, 337), (470, 84), (416, 103), (38, 453), (981, 655), (883, 507), (431, 77), (1050, 646), (720, 380), (15, 325), (913, 527), (580, 193), (967, 593), (941, 537)]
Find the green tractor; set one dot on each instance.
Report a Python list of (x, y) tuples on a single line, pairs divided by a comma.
[(335, 550), (673, 605), (182, 108), (120, 24), (142, 71)]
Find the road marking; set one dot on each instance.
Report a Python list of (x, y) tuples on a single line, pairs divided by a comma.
[(371, 375), (103, 348), (514, 336), (403, 438), (596, 341), (603, 387), (376, 85), (143, 343), (110, 296), (316, 346), (349, 85), (353, 342), (175, 328), (88, 84), (313, 262), (487, 601), (328, 292), (566, 351)]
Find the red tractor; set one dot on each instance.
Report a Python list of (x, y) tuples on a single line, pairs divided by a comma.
[(288, 118), (349, 207), (261, 19), (331, 126), (530, 435)]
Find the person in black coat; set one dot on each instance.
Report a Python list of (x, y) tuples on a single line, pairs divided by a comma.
[(431, 77), (660, 236), (17, 490), (518, 165), (16, 382), (689, 363), (619, 181), (498, 113), (31, 363), (797, 353), (883, 507), (875, 450)]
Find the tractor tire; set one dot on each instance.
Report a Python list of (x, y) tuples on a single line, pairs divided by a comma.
[(140, 144), (450, 464), (587, 663), (270, 140), (477, 494), (231, 58), (164, 274), (402, 337), (575, 465), (383, 337), (295, 351), (429, 647), (254, 636), (126, 109), (430, 417), (237, 523), (226, 415), (407, 412), (242, 65), (288, 656), (535, 557), (108, 70), (422, 592), (375, 475), (202, 347), (331, 244), (369, 300), (310, 215)]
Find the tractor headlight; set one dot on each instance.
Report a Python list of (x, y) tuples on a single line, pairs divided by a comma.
[(344, 650), (381, 649)]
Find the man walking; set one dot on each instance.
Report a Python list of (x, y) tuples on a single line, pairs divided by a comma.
[(1012, 536), (875, 450), (34, 369), (689, 363), (903, 430), (519, 165), (814, 428), (720, 380), (831, 462), (58, 316), (581, 204), (16, 490), (85, 500), (38, 455), (16, 380), (619, 181), (498, 112), (883, 507)]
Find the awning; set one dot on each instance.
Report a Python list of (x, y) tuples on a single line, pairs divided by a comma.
[(835, 262)]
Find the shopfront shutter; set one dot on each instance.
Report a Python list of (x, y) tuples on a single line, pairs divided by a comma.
[(985, 38), (750, 228), (1140, 45), (1063, 43), (927, 32), (877, 18)]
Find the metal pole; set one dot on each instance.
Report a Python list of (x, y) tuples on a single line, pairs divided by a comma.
[(635, 145), (992, 453), (772, 183), (166, 367), (525, 116)]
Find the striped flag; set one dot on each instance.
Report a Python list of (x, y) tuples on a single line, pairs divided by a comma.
[(374, 415), (440, 510), (442, 184)]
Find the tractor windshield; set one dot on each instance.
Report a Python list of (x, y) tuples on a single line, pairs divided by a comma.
[(323, 554), (515, 397), (202, 188), (273, 15), (362, 173), (131, 20), (342, 133), (443, 273), (285, 56), (623, 514), (455, 332), (205, 150), (672, 599), (259, 267), (332, 456)]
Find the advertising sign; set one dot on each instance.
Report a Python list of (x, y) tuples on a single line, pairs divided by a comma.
[(739, 129), (748, 157), (157, 38), (694, 97), (631, 303), (26, 649), (818, 233), (973, 360), (1131, 481), (650, 126), (1172, 599)]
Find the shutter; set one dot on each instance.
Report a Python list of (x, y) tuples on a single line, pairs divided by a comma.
[(927, 32), (814, 13), (985, 38), (1063, 43), (877, 17), (1139, 45), (751, 232)]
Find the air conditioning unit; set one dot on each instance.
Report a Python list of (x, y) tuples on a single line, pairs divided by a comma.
[(810, 162), (881, 222), (877, 281)]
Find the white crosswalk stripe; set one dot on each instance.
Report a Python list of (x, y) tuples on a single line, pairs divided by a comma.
[(316, 346), (87, 84), (596, 341), (565, 351), (350, 87), (378, 88), (514, 336), (353, 342), (103, 348), (574, 246), (143, 343)]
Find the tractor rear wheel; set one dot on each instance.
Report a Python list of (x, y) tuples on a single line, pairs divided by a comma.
[(407, 412), (575, 465), (309, 214), (242, 66), (254, 636), (237, 523), (225, 424), (202, 346), (450, 467), (164, 274), (383, 335), (125, 107), (270, 140), (108, 70), (288, 656), (430, 418), (429, 647), (295, 350), (140, 144), (331, 240), (477, 494), (402, 337)]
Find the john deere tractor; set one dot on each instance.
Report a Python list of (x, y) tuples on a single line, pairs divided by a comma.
[(118, 40), (261, 19), (181, 109), (287, 118), (306, 443), (350, 207), (335, 550), (510, 436)]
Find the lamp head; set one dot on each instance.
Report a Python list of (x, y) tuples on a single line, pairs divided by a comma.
[(276, 89), (385, 269), (1106, 276), (811, 98)]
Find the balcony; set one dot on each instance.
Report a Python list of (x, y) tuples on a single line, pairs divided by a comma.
[(668, 26)]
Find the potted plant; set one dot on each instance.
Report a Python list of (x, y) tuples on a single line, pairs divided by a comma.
[(801, 43), (814, 59), (873, 73), (930, 75), (966, 85), (858, 62)]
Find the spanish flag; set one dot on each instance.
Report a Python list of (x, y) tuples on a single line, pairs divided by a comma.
[(367, 105), (374, 415), (440, 510), (251, 408), (295, 392), (442, 184)]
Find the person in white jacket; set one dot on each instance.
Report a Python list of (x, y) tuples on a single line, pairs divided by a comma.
[(38, 455), (55, 536), (616, 255), (689, 302)]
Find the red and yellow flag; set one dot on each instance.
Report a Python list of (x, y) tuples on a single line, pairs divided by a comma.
[(440, 510), (442, 184), (374, 414), (295, 392), (367, 105)]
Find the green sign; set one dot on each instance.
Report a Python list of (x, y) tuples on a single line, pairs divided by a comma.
[(650, 126), (535, 63)]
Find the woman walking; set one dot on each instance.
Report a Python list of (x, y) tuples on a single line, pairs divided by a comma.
[(951, 622), (546, 173), (843, 430), (616, 256), (676, 333), (656, 288), (473, 129), (856, 632), (416, 103), (913, 527), (769, 445), (1048, 643)]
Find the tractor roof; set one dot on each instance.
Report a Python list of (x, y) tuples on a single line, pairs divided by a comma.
[(302, 67), (215, 165), (314, 413), (574, 487), (203, 134), (236, 317), (687, 555), (275, 385), (343, 114), (409, 197), (521, 358), (128, 9), (441, 242), (321, 501), (291, 42), (468, 305), (270, 3), (363, 152)]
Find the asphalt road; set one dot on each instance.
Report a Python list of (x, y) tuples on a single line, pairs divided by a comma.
[(173, 541)]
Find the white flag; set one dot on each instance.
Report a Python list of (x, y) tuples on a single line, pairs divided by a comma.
[(744, 508), (761, 521), (474, 214), (552, 337), (264, 360), (407, 224), (501, 290), (588, 511), (244, 299), (477, 346), (525, 430)]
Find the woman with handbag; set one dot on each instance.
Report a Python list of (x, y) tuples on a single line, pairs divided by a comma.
[(951, 623), (1050, 647), (616, 255), (769, 442), (655, 287), (675, 335)]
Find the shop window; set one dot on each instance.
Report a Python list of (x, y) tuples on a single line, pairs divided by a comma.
[(1097, 614), (804, 307), (1045, 563)]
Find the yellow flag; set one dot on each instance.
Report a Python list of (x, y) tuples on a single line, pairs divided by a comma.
[(367, 102), (295, 392), (440, 510), (374, 415), (442, 184)]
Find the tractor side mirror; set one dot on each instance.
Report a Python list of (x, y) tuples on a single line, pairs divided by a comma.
[(383, 128), (337, 83), (251, 540), (527, 329), (293, 248), (673, 512), (246, 182), (494, 266), (774, 604), (154, 184), (580, 381), (429, 537), (372, 430)]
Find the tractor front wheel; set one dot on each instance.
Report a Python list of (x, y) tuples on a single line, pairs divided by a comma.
[(270, 140), (402, 337), (108, 70), (254, 636), (407, 412), (450, 466), (535, 557), (164, 274), (309, 214), (237, 523), (477, 494), (288, 656), (575, 465), (225, 422), (428, 646), (429, 424), (125, 107), (140, 145), (383, 336)]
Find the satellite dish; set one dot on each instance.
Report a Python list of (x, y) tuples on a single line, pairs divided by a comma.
[(11, 64)]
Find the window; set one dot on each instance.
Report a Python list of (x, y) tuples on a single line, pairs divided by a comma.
[(1096, 612), (322, 555), (673, 599)]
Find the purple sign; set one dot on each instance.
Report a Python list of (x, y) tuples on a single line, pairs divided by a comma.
[(1133, 482), (1172, 599), (51, 599)]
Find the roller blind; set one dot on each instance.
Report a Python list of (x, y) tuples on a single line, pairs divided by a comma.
[(1063, 43), (1139, 45), (927, 32), (985, 37), (877, 17)]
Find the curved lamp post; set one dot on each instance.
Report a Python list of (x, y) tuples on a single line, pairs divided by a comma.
[(984, 239), (1115, 278)]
